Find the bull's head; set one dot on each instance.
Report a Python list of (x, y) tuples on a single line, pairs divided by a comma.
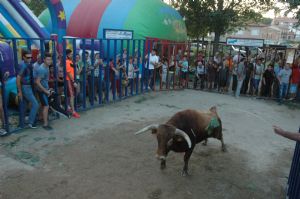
[(166, 135), (217, 132)]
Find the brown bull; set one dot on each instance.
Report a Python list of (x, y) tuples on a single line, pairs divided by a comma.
[(183, 131)]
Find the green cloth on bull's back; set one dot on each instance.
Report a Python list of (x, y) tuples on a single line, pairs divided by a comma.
[(214, 123)]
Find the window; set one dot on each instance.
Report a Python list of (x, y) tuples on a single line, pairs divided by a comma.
[(240, 32), (254, 32)]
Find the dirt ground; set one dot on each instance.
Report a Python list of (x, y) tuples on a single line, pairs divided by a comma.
[(98, 156)]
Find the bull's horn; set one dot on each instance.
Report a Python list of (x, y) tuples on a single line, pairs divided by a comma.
[(185, 136), (147, 128)]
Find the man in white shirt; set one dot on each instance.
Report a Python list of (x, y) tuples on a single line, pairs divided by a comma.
[(153, 61)]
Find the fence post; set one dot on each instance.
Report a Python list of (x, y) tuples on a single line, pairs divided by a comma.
[(75, 71), (148, 72), (84, 73), (100, 89), (107, 72), (132, 79), (114, 85), (143, 67), (138, 66), (92, 75), (127, 63), (65, 73), (4, 105), (16, 65)]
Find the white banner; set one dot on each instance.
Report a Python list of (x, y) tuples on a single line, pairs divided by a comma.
[(117, 34), (290, 56)]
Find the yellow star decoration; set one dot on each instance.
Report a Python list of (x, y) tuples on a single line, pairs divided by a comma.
[(62, 15)]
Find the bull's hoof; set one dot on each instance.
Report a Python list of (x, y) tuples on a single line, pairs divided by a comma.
[(162, 165), (204, 143), (185, 173), (224, 149)]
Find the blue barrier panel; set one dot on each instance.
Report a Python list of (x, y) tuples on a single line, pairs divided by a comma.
[(96, 84)]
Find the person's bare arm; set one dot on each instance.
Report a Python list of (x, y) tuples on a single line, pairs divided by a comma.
[(286, 134), (39, 85), (19, 86)]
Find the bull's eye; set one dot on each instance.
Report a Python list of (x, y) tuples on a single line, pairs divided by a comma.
[(179, 139)]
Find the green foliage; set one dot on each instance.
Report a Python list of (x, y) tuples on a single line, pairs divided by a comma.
[(37, 6), (220, 16), (266, 21), (294, 5)]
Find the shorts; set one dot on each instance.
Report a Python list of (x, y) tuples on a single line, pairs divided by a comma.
[(183, 75), (71, 90), (43, 98), (293, 88)]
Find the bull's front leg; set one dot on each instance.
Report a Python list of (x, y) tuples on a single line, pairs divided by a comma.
[(187, 156), (163, 160), (205, 142), (224, 149)]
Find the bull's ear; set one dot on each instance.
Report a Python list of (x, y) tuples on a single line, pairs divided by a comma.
[(154, 131), (213, 109)]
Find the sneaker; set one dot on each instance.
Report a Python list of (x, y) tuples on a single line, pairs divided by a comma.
[(47, 128), (76, 115), (32, 126), (3, 132)]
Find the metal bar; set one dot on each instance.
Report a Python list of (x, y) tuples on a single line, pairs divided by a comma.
[(92, 74), (65, 74), (115, 64), (5, 104), (138, 66), (42, 48), (100, 89), (75, 70), (175, 62), (107, 71), (148, 59), (168, 69), (121, 73), (143, 67), (21, 102), (127, 63), (132, 80), (84, 73)]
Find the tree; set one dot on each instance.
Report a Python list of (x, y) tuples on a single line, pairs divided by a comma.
[(37, 6), (294, 5), (195, 15), (222, 15)]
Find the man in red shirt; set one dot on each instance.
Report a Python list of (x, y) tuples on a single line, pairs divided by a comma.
[(71, 84), (295, 80)]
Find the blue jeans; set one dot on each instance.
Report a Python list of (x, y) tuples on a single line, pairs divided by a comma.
[(283, 91), (29, 96), (149, 76), (256, 85)]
